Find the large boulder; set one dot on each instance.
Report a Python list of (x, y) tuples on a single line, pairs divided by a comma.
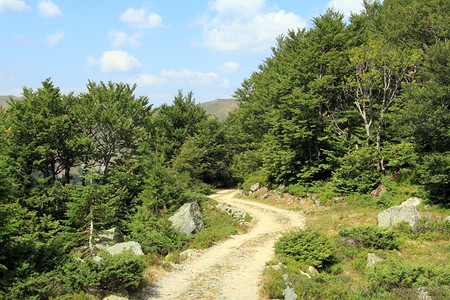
[(122, 247), (108, 238), (397, 214), (188, 218)]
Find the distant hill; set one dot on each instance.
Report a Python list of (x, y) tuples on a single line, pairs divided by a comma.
[(220, 107), (3, 100)]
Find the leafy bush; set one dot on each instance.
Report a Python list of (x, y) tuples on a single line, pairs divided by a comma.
[(273, 283), (118, 273), (371, 236), (426, 229), (156, 235), (307, 246), (436, 177), (394, 273), (358, 172), (259, 176)]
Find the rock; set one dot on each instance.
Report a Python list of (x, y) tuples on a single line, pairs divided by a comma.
[(372, 260), (378, 191), (289, 294), (188, 218), (280, 188), (306, 274), (189, 253), (265, 196), (108, 238), (396, 214), (235, 212), (423, 294), (255, 187), (285, 277), (414, 201), (122, 247), (312, 270), (114, 297), (317, 203), (447, 219)]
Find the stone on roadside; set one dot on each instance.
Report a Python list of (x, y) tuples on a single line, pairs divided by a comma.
[(188, 218), (254, 187), (265, 196), (122, 247), (289, 294), (187, 254), (114, 297), (397, 214)]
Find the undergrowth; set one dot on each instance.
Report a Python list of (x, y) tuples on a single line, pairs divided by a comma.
[(412, 258)]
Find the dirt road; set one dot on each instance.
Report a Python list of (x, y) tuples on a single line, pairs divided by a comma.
[(233, 268)]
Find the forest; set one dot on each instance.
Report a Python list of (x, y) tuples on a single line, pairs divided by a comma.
[(340, 107)]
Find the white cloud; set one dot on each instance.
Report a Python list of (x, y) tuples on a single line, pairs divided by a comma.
[(194, 77), (346, 6), (54, 38), (90, 61), (15, 5), (48, 9), (229, 68), (119, 39), (148, 80), (117, 61), (245, 26), (141, 18)]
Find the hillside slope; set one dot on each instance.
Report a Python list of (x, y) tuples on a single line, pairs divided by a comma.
[(220, 107)]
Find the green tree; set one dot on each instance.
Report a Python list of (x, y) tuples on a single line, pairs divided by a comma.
[(380, 71), (175, 123), (114, 120)]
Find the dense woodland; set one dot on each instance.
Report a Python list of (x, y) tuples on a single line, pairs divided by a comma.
[(339, 106)]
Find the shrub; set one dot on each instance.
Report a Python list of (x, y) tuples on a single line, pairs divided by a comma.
[(118, 273), (259, 176), (426, 229), (394, 273), (307, 246), (358, 172), (371, 236)]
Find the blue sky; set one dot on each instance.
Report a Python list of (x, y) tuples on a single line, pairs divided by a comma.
[(208, 47)]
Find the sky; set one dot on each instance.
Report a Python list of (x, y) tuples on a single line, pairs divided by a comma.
[(207, 47)]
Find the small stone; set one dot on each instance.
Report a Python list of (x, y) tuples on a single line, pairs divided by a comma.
[(289, 294), (265, 196), (378, 191), (312, 270), (372, 260), (414, 201), (285, 277), (254, 187)]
